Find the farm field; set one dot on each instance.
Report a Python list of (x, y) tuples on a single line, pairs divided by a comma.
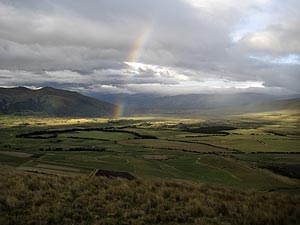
[(237, 152)]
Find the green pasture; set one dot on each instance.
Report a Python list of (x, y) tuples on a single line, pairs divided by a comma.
[(175, 154)]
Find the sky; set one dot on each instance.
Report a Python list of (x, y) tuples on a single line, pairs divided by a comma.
[(165, 47)]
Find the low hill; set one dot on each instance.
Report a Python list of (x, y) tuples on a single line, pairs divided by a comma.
[(51, 101), (287, 104), (291, 105), (28, 198)]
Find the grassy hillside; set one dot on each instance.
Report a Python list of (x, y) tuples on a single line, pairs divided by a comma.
[(50, 101), (28, 198)]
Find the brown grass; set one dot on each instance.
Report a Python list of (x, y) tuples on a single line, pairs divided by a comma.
[(28, 198)]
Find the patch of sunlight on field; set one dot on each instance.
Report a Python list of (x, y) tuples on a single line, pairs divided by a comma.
[(164, 119), (23, 121), (278, 116)]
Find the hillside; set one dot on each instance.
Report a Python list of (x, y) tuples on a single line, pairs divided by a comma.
[(51, 101), (287, 105), (147, 103), (28, 198)]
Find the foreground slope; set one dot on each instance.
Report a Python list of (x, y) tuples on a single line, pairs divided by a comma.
[(51, 101), (28, 198)]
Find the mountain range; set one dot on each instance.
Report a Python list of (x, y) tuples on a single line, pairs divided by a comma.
[(147, 103), (56, 102), (53, 102)]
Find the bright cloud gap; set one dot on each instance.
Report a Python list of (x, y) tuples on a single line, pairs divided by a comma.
[(133, 78), (291, 59)]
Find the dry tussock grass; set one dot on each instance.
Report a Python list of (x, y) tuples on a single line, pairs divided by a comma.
[(42, 199)]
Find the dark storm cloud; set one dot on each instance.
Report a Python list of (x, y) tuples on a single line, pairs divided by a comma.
[(83, 45)]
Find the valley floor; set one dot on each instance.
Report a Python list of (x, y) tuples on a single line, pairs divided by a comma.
[(239, 170)]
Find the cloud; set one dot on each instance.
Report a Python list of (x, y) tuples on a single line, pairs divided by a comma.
[(135, 78), (276, 39), (189, 46)]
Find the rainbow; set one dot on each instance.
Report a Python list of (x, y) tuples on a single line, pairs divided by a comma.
[(139, 44), (119, 109), (132, 57)]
